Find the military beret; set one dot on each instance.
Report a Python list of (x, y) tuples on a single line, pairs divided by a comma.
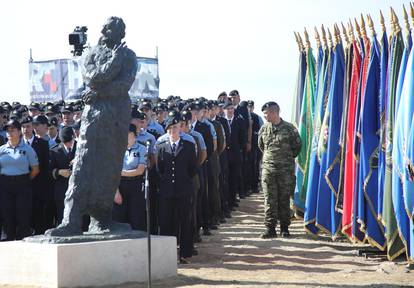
[(67, 109), (200, 104), (269, 104), (145, 105), (186, 116), (250, 103), (243, 104), (160, 107), (227, 104), (15, 114), (173, 118), (54, 122), (40, 119), (23, 109), (222, 94), (34, 106), (234, 93), (135, 114), (51, 109), (13, 123), (27, 119), (66, 134)]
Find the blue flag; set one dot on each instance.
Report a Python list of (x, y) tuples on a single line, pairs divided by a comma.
[(368, 167), (322, 91), (329, 150)]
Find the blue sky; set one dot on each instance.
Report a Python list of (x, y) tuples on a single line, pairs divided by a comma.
[(205, 47)]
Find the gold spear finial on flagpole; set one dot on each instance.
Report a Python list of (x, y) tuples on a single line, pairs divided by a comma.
[(382, 21), (395, 21), (358, 30), (337, 35), (406, 22), (345, 33), (307, 42), (363, 30), (330, 39), (371, 25), (412, 12), (297, 41), (392, 21), (300, 42), (325, 43), (351, 31), (317, 38)]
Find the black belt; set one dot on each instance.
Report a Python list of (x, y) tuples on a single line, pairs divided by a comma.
[(131, 178), (16, 177)]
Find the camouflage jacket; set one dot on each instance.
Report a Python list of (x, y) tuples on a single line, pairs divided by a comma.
[(280, 145)]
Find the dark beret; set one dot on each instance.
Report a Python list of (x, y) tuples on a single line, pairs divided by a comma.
[(269, 104), (13, 123), (40, 119), (66, 109), (54, 122), (234, 93), (186, 116), (145, 105), (173, 118), (250, 103), (227, 104), (135, 114), (27, 119)]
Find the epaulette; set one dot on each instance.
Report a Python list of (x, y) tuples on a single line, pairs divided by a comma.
[(54, 146)]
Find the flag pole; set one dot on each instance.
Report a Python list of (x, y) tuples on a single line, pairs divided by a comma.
[(147, 203)]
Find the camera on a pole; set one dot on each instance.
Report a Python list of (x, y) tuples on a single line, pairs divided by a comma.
[(78, 39)]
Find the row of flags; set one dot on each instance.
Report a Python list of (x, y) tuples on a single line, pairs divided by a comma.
[(354, 105)]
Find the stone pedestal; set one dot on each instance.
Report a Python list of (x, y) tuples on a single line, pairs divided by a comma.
[(86, 264)]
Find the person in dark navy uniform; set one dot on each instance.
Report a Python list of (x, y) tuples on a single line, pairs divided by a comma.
[(43, 208), (129, 201), (61, 160), (18, 165), (176, 164), (234, 150)]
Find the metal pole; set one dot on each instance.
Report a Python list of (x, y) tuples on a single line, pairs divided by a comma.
[(147, 202)]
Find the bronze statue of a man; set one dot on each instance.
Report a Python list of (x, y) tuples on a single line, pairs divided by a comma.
[(110, 69)]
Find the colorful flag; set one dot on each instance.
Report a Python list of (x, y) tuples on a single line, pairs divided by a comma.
[(401, 234), (327, 217), (300, 81), (349, 170), (388, 214), (322, 93), (368, 168), (305, 132), (357, 234)]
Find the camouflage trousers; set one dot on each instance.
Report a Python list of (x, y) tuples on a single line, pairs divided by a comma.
[(278, 187)]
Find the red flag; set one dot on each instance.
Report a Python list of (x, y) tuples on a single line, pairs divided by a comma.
[(349, 171)]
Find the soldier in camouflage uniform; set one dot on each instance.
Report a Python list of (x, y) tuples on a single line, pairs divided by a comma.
[(280, 143)]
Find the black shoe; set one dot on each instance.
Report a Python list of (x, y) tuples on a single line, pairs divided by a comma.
[(206, 232), (236, 205), (223, 220), (270, 233), (242, 196), (213, 227), (227, 214), (284, 232)]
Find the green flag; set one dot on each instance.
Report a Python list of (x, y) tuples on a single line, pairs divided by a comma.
[(388, 214), (306, 134)]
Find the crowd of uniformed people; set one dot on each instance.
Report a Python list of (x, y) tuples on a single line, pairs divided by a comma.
[(202, 157)]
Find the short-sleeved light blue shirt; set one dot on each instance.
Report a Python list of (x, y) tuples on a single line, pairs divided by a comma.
[(145, 136), (134, 157), (154, 125), (17, 161), (212, 129), (49, 140), (200, 139)]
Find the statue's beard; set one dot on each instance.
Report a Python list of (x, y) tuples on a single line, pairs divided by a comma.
[(109, 41)]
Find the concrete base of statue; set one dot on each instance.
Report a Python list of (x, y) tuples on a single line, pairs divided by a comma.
[(86, 264)]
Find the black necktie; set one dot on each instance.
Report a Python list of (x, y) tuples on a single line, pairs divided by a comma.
[(174, 146), (69, 150)]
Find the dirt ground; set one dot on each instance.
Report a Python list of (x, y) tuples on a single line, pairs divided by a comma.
[(236, 256)]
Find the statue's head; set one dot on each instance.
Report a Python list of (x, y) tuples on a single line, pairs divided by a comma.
[(113, 31)]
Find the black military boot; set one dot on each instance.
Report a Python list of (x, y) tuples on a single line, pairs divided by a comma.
[(284, 231), (270, 233)]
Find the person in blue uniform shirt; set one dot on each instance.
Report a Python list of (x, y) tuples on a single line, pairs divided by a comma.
[(153, 126), (3, 120), (129, 201), (177, 165), (18, 165), (41, 127), (139, 119)]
